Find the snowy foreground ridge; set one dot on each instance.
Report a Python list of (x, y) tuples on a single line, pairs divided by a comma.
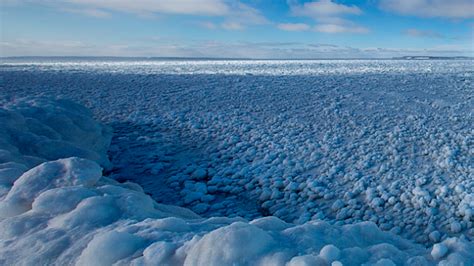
[(56, 207)]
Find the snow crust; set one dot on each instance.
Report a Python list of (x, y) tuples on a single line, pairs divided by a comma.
[(64, 211)]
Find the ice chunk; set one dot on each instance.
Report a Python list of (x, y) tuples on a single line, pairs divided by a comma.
[(306, 260), (199, 174), (158, 253), (60, 173), (110, 247), (330, 253), (237, 243), (438, 251)]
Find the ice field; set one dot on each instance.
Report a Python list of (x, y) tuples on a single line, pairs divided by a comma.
[(237, 162)]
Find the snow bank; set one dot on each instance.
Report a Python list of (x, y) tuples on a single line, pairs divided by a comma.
[(65, 212), (37, 130)]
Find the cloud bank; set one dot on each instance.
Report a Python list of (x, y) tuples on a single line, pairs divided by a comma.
[(256, 50), (293, 26), (455, 9), (329, 16), (423, 33), (235, 15)]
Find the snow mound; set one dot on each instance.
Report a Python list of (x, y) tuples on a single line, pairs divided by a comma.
[(64, 212), (35, 130), (50, 175)]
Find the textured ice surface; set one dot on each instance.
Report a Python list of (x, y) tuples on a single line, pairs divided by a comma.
[(238, 67), (389, 142), (65, 212)]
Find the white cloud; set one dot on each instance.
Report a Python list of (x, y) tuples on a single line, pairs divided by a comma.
[(176, 48), (245, 13), (91, 12), (324, 8), (238, 18), (329, 15), (335, 28), (207, 25), (183, 7), (431, 8), (242, 15), (187, 7), (27, 47), (232, 26), (346, 27), (236, 15), (423, 33), (293, 26)]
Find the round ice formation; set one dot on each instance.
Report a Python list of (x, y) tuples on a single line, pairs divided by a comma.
[(108, 248), (236, 243), (112, 223), (455, 227), (306, 260), (199, 174), (329, 253), (438, 251), (435, 236)]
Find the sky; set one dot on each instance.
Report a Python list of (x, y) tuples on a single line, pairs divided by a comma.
[(278, 29)]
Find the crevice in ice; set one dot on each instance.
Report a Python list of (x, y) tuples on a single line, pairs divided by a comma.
[(167, 166)]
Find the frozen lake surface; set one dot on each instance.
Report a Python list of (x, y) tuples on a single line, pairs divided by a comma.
[(343, 141)]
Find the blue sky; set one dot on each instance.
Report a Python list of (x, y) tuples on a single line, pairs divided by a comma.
[(246, 28)]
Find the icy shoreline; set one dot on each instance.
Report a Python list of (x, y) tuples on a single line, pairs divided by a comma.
[(65, 212)]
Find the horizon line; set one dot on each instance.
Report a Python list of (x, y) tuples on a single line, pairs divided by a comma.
[(405, 57)]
